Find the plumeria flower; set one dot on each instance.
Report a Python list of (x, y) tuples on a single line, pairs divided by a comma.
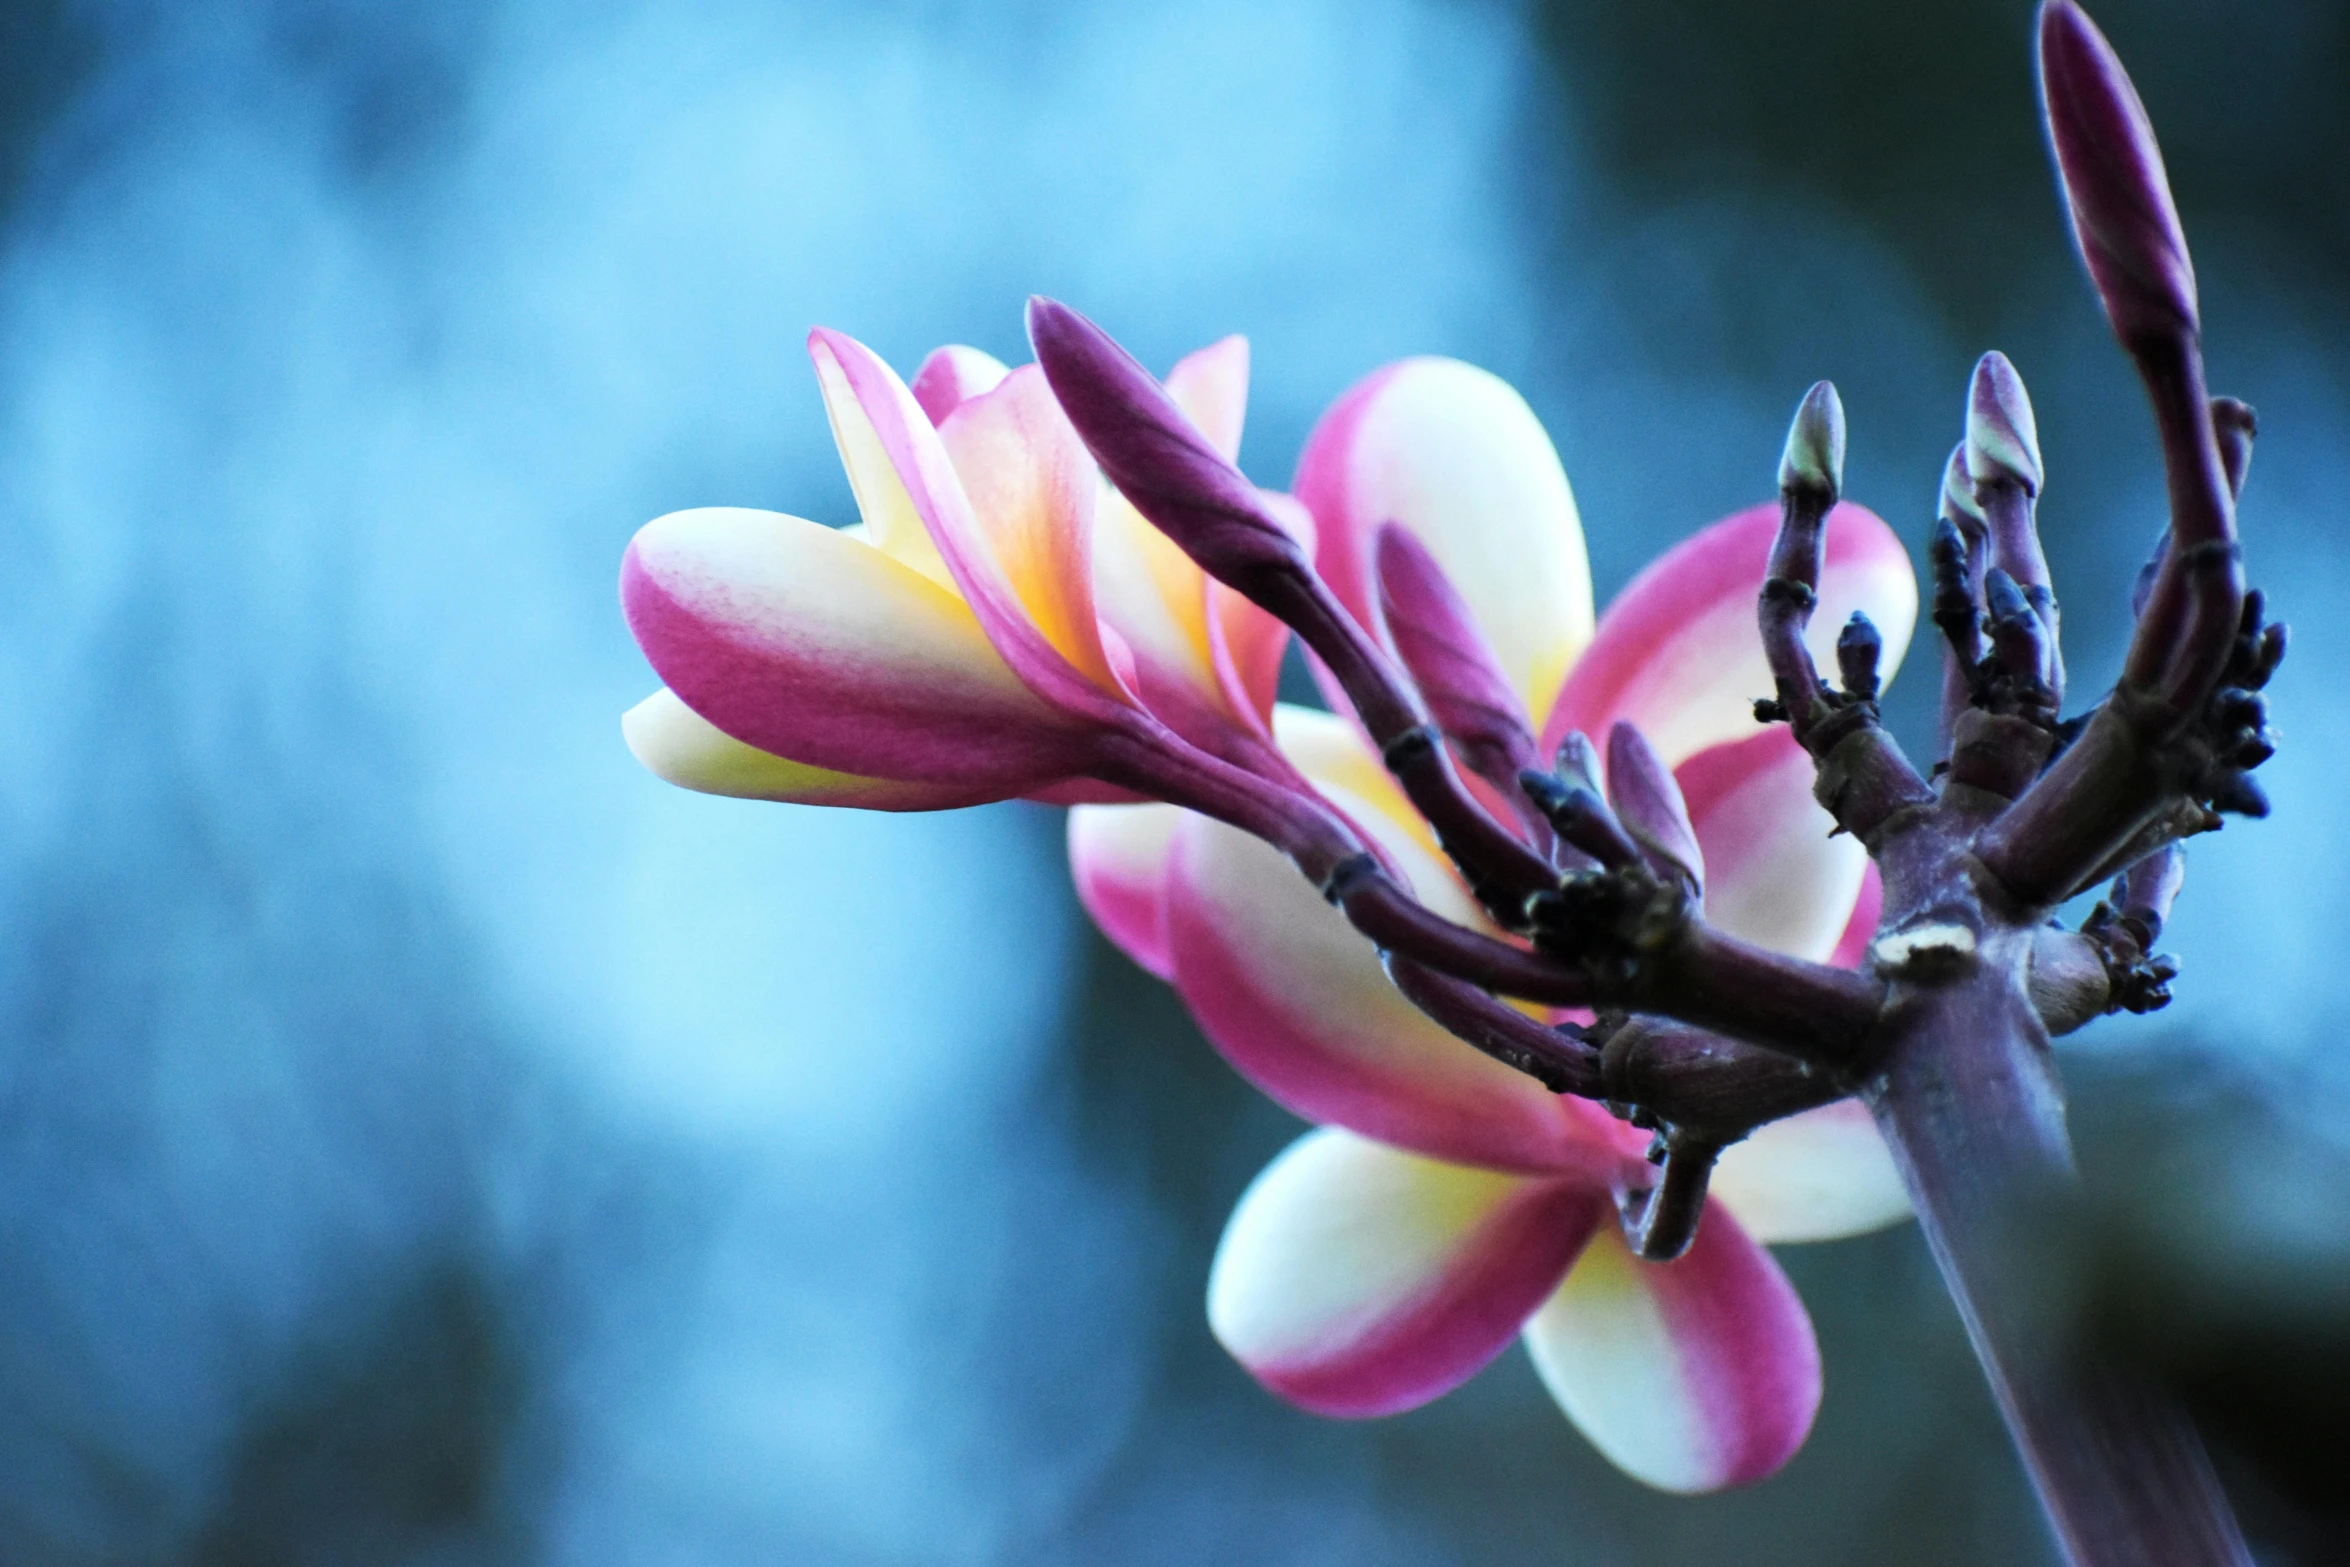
[(1000, 623), (1448, 1203)]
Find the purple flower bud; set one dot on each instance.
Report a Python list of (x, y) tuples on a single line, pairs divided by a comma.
[(1814, 459), (1577, 760), (1648, 802), (1154, 454), (2002, 438), (1958, 494), (2114, 184), (1450, 658)]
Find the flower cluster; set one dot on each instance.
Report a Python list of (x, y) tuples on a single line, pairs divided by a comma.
[(1003, 622)]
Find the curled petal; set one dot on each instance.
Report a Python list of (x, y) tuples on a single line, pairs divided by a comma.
[(1152, 595), (1031, 488), (1678, 652), (1295, 999), (679, 746), (1018, 552), (952, 376), (1356, 1280), (1118, 858), (1777, 873), (889, 518), (1690, 1375), (807, 644), (1818, 1176), (1452, 453)]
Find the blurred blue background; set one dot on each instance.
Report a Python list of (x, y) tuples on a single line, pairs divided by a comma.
[(424, 1138)]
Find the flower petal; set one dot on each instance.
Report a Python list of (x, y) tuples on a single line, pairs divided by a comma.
[(1210, 385), (1118, 859), (1357, 1280), (1295, 999), (1774, 875), (680, 746), (890, 521), (1861, 930), (1031, 485), (1154, 598), (952, 376), (1010, 513), (1817, 1176), (1455, 455), (1333, 754), (808, 644), (1689, 1375), (1678, 654)]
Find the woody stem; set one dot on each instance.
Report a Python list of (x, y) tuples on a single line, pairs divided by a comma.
[(1967, 1098)]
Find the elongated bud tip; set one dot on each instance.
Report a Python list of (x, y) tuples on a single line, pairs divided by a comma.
[(1858, 647), (1152, 452), (2234, 424), (2002, 438), (1438, 640), (1647, 800), (1814, 458), (2114, 183), (1946, 546), (1578, 759), (1958, 493)]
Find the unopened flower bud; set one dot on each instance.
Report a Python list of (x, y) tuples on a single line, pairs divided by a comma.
[(2002, 438), (1154, 454), (2114, 183), (1814, 459), (1577, 760), (1859, 646), (1648, 802), (1958, 494), (1454, 665)]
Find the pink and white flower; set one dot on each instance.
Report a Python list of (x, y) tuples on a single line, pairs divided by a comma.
[(1449, 1203), (999, 623), (1002, 623)]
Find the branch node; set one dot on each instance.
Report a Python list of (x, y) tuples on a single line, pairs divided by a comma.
[(1347, 875)]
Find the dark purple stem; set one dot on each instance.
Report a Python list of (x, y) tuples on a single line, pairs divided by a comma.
[(1969, 1102)]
